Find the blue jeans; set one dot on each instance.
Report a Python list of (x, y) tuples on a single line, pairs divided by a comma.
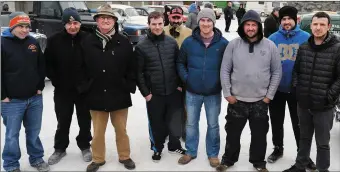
[(212, 106), (28, 112)]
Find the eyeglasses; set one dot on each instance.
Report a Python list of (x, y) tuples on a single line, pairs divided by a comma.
[(106, 17)]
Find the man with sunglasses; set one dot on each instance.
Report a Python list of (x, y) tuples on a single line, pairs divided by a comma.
[(177, 30)]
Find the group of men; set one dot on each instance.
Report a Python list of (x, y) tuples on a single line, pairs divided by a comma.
[(177, 70)]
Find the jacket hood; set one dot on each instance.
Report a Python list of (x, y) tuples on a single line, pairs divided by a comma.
[(289, 33), (7, 33), (192, 8), (253, 16), (197, 35), (330, 40)]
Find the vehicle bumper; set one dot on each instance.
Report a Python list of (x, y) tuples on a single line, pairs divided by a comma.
[(135, 38)]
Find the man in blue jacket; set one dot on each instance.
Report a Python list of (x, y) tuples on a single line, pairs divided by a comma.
[(288, 39), (198, 66), (22, 83)]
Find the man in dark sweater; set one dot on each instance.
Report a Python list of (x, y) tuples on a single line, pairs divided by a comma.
[(228, 15), (62, 54), (22, 83), (240, 13), (272, 23)]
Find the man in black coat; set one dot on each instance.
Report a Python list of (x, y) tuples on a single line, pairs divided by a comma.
[(62, 54), (109, 80), (316, 81), (240, 13), (228, 15), (272, 23), (159, 84)]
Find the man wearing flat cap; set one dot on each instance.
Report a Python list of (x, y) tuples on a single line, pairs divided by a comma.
[(109, 80), (62, 53), (22, 83)]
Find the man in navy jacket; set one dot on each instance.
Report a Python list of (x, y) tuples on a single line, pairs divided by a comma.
[(22, 83)]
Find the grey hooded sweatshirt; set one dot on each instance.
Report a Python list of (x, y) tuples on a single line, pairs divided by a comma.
[(250, 71)]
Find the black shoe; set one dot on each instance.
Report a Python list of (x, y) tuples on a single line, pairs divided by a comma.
[(179, 151), (156, 156), (277, 154), (261, 169), (311, 165), (128, 164), (223, 166), (294, 169), (93, 167)]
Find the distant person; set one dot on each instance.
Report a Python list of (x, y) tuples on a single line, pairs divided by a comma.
[(209, 5), (228, 15), (192, 18), (166, 15), (272, 23), (240, 13), (5, 9)]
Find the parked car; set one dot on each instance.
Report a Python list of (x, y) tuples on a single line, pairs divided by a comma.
[(218, 11), (142, 11), (151, 8), (130, 14), (306, 20)]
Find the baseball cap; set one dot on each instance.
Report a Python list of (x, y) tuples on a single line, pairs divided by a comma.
[(176, 11)]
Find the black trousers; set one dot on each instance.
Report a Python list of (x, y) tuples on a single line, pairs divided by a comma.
[(277, 116), (239, 21), (64, 102), (164, 112), (227, 23), (237, 116)]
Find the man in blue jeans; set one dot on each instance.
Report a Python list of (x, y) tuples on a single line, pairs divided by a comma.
[(198, 66), (22, 82)]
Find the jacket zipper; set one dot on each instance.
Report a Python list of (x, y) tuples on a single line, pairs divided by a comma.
[(311, 73), (160, 58), (205, 55)]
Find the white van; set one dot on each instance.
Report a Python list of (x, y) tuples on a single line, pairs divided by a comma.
[(262, 7), (129, 14)]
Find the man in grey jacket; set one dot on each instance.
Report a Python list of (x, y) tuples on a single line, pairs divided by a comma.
[(250, 74)]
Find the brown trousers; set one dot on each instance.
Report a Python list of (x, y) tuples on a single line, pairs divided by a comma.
[(118, 120)]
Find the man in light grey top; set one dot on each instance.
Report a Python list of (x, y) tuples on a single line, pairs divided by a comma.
[(250, 74)]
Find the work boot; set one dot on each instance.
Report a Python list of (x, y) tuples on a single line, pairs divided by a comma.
[(56, 157), (42, 167), (87, 155), (185, 159), (277, 154), (93, 167), (128, 164)]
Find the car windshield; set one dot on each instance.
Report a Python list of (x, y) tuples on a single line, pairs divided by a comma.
[(79, 5), (131, 12), (151, 9)]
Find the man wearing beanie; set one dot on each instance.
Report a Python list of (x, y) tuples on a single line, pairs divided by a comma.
[(317, 83), (272, 23), (22, 83), (288, 40), (63, 53), (198, 66), (250, 74), (160, 85), (110, 78)]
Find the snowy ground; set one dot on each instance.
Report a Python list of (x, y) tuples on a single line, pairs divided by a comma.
[(140, 148)]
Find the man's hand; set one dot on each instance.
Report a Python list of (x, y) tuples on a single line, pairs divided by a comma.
[(231, 99), (266, 100), (39, 92), (179, 89), (6, 100), (148, 97)]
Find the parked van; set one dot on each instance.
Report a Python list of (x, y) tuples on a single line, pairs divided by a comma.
[(262, 7)]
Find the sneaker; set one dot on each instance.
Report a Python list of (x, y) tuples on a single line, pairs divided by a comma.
[(42, 167), (294, 169), (128, 164), (185, 159), (311, 165), (179, 151), (222, 167), (261, 169), (277, 154), (214, 162), (87, 155), (56, 157), (93, 167), (156, 157), (15, 170)]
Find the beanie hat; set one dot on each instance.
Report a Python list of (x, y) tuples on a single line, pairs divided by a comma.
[(276, 9), (17, 19), (288, 11), (70, 14), (105, 10), (206, 13)]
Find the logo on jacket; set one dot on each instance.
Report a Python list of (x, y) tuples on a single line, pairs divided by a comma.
[(263, 53), (32, 47), (288, 51), (71, 19)]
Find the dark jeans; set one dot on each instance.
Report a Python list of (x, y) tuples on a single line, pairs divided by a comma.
[(64, 102), (277, 109), (237, 117), (163, 111), (320, 122), (29, 113), (227, 23)]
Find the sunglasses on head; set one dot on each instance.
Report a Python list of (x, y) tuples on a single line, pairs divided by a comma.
[(176, 17)]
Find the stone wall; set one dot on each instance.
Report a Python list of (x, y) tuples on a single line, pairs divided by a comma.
[(315, 6)]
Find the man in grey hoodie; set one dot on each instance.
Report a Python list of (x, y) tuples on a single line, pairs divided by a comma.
[(250, 74)]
